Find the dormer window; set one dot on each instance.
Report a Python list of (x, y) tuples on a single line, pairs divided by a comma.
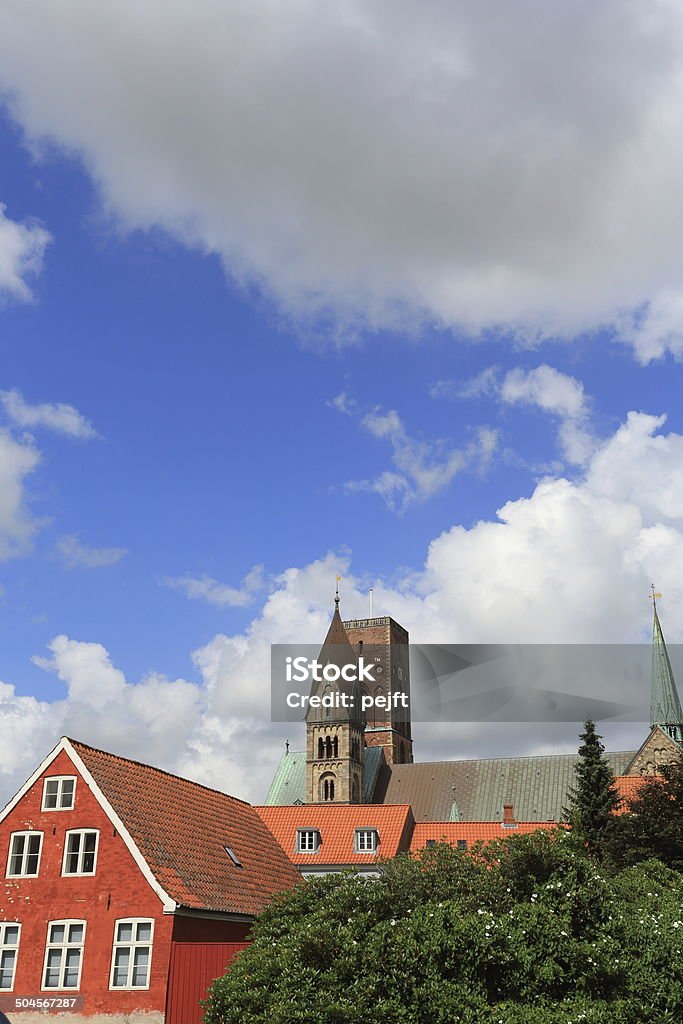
[(367, 840), (233, 856), (307, 840), (59, 792)]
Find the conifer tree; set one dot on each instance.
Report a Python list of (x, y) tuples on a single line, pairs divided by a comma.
[(594, 798)]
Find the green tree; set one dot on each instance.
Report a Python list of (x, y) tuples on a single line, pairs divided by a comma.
[(652, 825), (528, 930), (593, 800)]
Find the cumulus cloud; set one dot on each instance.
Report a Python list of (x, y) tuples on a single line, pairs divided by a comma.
[(17, 460), (205, 588), (75, 555), (390, 162), (22, 247), (56, 416), (570, 563)]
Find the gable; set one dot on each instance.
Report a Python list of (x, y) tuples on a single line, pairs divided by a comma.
[(658, 749), (64, 760)]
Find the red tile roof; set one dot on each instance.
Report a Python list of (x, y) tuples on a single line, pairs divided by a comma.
[(471, 831), (182, 829), (337, 824), (628, 786)]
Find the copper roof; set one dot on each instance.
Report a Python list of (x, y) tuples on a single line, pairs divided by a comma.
[(537, 787), (182, 829)]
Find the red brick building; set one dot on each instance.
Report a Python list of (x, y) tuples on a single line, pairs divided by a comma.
[(126, 888)]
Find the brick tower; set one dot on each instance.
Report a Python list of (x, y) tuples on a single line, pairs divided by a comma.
[(384, 642)]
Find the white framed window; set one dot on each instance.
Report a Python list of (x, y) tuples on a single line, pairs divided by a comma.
[(9, 950), (367, 840), (307, 840), (132, 953), (64, 954), (80, 851), (24, 854), (59, 793)]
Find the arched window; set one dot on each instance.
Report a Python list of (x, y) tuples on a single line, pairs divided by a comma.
[(326, 788), (328, 747), (335, 745), (321, 748)]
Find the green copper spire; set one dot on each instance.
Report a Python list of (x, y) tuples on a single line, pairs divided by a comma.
[(665, 706)]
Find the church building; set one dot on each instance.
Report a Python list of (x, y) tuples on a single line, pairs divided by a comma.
[(354, 759)]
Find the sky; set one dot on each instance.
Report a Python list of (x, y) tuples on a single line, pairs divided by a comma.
[(289, 290)]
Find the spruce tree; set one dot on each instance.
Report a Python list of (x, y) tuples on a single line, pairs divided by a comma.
[(594, 798)]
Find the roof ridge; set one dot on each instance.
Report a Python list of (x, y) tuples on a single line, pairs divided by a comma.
[(511, 757), (160, 771)]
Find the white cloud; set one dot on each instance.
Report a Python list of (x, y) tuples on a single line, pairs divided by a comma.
[(56, 416), (207, 589), (421, 468), (547, 388), (75, 555), (22, 247), (570, 563), (17, 460), (389, 162)]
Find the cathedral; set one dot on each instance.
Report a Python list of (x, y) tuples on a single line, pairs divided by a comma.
[(351, 758)]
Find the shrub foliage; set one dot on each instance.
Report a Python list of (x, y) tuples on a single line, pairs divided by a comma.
[(529, 930)]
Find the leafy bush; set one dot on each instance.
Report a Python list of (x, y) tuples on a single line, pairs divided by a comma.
[(525, 931)]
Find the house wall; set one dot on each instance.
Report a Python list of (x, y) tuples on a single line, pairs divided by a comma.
[(116, 890)]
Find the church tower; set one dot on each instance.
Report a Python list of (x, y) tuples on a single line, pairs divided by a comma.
[(665, 706), (335, 734), (384, 642)]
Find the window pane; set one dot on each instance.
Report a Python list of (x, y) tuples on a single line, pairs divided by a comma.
[(67, 797), (124, 933), (120, 977), (15, 864), (90, 841), (140, 966), (141, 956), (73, 959), (139, 976), (75, 933), (122, 958), (74, 844), (72, 864), (88, 863), (57, 933), (11, 935), (144, 931), (51, 789), (32, 864), (54, 960), (7, 968)]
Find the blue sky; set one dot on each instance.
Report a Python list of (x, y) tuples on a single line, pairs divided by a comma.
[(271, 368)]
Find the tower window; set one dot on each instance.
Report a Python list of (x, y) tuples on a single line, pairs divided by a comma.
[(367, 840), (307, 840)]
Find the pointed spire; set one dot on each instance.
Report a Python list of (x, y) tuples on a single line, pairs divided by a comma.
[(665, 706)]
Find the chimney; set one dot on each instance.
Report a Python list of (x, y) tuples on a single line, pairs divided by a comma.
[(509, 816)]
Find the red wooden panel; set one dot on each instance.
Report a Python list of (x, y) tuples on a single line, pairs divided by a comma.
[(193, 967)]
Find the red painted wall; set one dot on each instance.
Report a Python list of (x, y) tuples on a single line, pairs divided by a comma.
[(194, 965), (118, 889)]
